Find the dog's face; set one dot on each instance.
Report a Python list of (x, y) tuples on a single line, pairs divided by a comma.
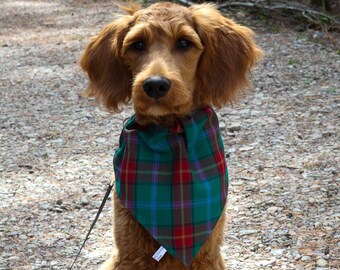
[(169, 60), (162, 51)]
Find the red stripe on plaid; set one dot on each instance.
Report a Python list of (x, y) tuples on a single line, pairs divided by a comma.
[(222, 168), (183, 237), (129, 171), (181, 173), (220, 161), (129, 168)]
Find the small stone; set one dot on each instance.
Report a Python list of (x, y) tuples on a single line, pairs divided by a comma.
[(306, 258), (54, 263), (297, 257), (321, 262), (246, 148), (84, 201), (59, 202), (316, 136), (222, 126), (311, 200), (297, 211), (231, 150), (58, 209), (247, 232), (22, 237), (233, 237), (234, 127), (315, 187), (277, 252), (317, 224), (268, 262), (46, 206), (14, 258), (57, 141), (306, 251), (272, 210), (101, 140), (254, 248)]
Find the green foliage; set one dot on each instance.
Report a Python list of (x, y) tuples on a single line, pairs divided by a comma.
[(331, 90), (143, 3), (292, 62), (308, 81)]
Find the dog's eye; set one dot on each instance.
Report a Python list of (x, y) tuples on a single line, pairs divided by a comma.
[(139, 46), (183, 44)]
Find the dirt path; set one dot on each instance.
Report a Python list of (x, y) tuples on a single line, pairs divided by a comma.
[(56, 148)]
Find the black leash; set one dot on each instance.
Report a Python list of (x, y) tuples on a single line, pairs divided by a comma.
[(108, 191)]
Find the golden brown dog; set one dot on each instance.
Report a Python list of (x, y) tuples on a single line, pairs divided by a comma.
[(168, 60)]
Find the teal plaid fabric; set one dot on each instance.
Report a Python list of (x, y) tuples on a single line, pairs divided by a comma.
[(174, 180)]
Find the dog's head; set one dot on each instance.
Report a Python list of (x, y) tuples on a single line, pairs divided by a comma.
[(169, 60)]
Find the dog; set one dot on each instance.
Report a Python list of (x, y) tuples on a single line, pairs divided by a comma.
[(168, 61)]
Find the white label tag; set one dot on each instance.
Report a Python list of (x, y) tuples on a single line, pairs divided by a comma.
[(159, 254)]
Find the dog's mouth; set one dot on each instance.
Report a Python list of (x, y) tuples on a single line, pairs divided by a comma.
[(162, 107), (159, 96), (159, 109)]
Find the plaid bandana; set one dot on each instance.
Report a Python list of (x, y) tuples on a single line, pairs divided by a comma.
[(174, 180)]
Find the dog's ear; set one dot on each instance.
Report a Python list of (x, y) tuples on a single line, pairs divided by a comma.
[(110, 80), (130, 7), (228, 56)]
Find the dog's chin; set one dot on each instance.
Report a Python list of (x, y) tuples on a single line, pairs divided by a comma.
[(163, 114), (156, 111), (159, 110), (168, 105)]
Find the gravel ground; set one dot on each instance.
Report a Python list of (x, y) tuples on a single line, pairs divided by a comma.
[(56, 147)]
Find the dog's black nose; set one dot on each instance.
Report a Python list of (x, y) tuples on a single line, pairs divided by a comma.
[(156, 86)]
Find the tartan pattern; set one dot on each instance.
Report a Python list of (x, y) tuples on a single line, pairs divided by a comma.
[(174, 180)]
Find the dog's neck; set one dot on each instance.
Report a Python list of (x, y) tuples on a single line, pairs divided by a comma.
[(166, 120)]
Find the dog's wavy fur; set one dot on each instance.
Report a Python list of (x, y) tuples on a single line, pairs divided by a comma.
[(212, 68)]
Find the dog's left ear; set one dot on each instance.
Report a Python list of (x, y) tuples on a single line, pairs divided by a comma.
[(110, 79), (228, 57)]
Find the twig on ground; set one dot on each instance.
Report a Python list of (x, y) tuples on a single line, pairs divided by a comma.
[(303, 11), (185, 2)]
